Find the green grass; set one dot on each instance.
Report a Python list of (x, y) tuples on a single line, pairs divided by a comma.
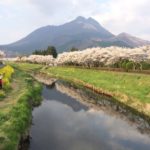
[(26, 66), (131, 88), (130, 84), (16, 109)]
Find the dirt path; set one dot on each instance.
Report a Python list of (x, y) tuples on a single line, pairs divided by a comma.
[(13, 96)]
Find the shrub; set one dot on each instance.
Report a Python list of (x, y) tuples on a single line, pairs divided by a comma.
[(2, 94), (129, 65), (7, 72), (145, 65)]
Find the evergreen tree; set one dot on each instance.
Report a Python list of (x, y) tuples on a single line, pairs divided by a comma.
[(51, 50), (73, 49)]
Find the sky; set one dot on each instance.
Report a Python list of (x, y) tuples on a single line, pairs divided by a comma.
[(20, 17)]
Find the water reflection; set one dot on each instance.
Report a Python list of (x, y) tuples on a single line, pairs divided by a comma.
[(50, 93), (62, 123)]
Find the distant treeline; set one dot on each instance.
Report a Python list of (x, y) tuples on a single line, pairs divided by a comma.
[(129, 59), (51, 50)]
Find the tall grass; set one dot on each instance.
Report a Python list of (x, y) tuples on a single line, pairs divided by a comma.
[(15, 123), (131, 89), (130, 84)]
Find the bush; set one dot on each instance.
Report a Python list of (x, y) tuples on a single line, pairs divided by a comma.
[(145, 65), (2, 94), (129, 65), (7, 72), (123, 65)]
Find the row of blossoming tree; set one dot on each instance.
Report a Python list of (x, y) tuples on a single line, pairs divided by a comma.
[(110, 57)]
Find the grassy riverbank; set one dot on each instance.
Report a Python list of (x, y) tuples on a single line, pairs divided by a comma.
[(131, 89), (16, 108)]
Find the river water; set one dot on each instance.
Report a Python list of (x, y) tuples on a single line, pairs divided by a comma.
[(64, 122)]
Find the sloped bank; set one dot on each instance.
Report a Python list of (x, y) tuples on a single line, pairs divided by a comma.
[(95, 81), (136, 113), (103, 102), (33, 98), (16, 119)]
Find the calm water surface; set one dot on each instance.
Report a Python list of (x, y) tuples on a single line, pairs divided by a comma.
[(63, 123)]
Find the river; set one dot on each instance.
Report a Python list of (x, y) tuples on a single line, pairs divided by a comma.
[(66, 121)]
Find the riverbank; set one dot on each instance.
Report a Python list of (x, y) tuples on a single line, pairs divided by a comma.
[(131, 89), (16, 109), (124, 90), (69, 118)]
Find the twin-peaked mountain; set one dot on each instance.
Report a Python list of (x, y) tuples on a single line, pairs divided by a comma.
[(80, 33)]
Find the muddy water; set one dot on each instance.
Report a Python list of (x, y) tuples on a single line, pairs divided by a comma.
[(64, 121)]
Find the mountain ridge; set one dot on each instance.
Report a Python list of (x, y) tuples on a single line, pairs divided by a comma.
[(80, 32)]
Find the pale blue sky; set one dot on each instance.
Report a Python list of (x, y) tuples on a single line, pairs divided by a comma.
[(20, 17)]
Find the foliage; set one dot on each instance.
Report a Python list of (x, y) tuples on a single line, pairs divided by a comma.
[(51, 50), (110, 57), (115, 57), (145, 65), (73, 49), (15, 122), (2, 94), (7, 72), (129, 65)]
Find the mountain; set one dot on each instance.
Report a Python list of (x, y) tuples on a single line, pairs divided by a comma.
[(131, 40), (124, 40), (81, 33)]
